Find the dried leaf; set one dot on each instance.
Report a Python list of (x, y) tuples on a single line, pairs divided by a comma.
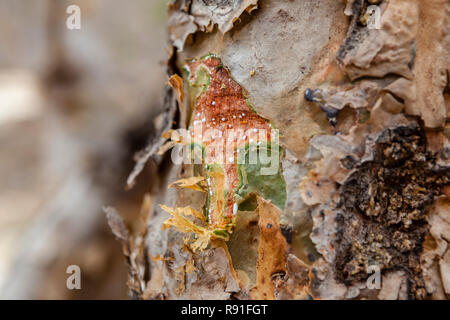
[(176, 83), (194, 183)]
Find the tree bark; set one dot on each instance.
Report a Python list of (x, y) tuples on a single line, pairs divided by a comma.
[(362, 116)]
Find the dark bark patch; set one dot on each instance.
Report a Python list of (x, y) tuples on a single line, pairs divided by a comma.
[(383, 206)]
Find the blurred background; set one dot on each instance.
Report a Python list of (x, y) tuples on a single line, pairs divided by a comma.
[(75, 105)]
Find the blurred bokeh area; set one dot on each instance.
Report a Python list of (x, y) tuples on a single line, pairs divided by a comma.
[(75, 105)]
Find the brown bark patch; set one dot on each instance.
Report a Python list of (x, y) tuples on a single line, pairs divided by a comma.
[(271, 252), (384, 204)]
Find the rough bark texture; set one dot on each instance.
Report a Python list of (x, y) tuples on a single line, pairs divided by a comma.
[(362, 115)]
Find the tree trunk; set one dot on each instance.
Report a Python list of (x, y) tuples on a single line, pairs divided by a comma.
[(359, 207)]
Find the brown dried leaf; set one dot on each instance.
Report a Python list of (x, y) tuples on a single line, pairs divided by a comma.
[(176, 82)]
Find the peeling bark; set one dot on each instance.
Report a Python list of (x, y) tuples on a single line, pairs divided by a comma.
[(365, 165)]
